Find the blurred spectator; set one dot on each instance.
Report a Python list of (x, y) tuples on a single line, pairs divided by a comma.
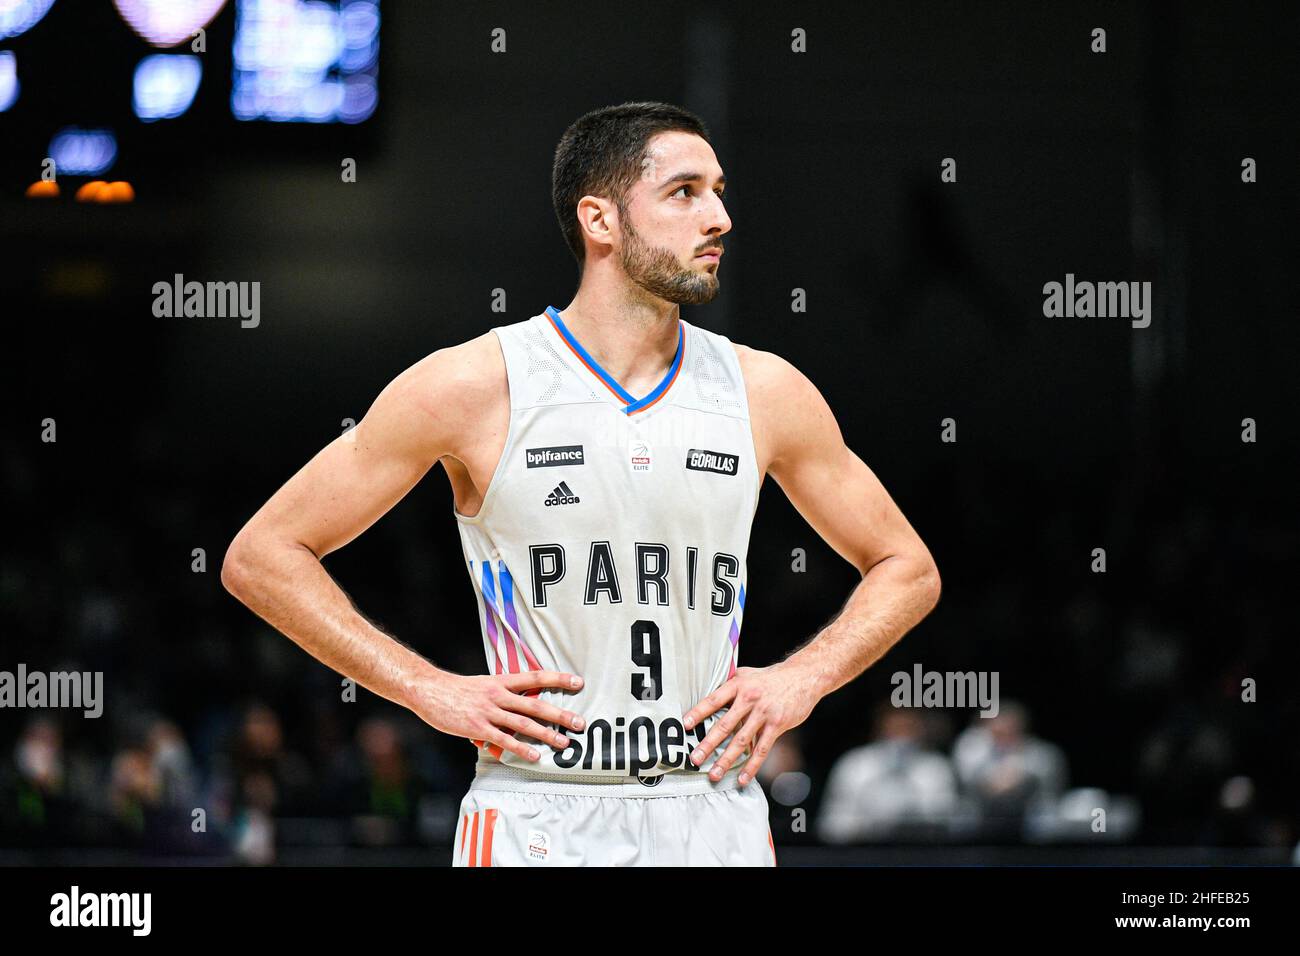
[(1006, 771), (39, 756), (254, 823), (34, 805), (259, 752), (390, 783), (259, 780), (177, 780), (893, 787), (381, 786), (133, 791)]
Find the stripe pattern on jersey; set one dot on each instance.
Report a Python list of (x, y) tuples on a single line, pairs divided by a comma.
[(480, 847), (736, 620), (501, 621)]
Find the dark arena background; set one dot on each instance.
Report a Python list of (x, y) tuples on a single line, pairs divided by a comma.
[(1111, 499)]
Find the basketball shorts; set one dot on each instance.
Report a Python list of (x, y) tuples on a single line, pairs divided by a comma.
[(513, 817)]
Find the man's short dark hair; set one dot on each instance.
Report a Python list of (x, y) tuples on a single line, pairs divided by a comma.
[(601, 155)]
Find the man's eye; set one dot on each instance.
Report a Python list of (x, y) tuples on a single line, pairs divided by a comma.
[(716, 192)]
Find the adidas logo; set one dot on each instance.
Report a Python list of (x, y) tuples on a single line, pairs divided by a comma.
[(561, 495)]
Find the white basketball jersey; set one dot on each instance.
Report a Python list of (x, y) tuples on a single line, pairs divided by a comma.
[(611, 544)]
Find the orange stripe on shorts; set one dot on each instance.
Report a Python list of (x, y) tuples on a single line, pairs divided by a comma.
[(489, 824), (473, 841)]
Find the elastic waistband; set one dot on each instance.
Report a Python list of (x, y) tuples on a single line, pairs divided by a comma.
[(499, 776)]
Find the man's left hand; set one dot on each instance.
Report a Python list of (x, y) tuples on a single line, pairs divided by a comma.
[(764, 702)]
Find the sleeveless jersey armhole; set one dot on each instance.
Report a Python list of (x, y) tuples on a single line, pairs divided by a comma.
[(497, 473)]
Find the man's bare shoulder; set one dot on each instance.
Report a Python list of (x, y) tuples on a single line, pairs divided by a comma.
[(438, 405), (786, 410), (768, 377), (765, 375), (459, 377)]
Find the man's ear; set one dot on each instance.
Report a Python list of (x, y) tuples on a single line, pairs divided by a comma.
[(597, 218)]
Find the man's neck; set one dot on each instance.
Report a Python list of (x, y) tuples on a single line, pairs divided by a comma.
[(634, 338)]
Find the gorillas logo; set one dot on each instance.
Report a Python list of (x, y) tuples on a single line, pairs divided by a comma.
[(701, 459)]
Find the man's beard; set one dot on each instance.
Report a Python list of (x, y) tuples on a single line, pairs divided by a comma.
[(658, 272)]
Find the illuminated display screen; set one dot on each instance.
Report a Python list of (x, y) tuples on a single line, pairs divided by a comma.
[(286, 61), (312, 62)]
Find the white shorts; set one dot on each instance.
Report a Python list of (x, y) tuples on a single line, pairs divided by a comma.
[(512, 817)]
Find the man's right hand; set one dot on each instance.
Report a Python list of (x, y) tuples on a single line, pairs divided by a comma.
[(491, 709)]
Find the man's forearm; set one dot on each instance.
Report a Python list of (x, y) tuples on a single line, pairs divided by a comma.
[(892, 598), (287, 587)]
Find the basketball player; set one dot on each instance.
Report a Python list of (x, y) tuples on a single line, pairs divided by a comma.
[(605, 462)]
